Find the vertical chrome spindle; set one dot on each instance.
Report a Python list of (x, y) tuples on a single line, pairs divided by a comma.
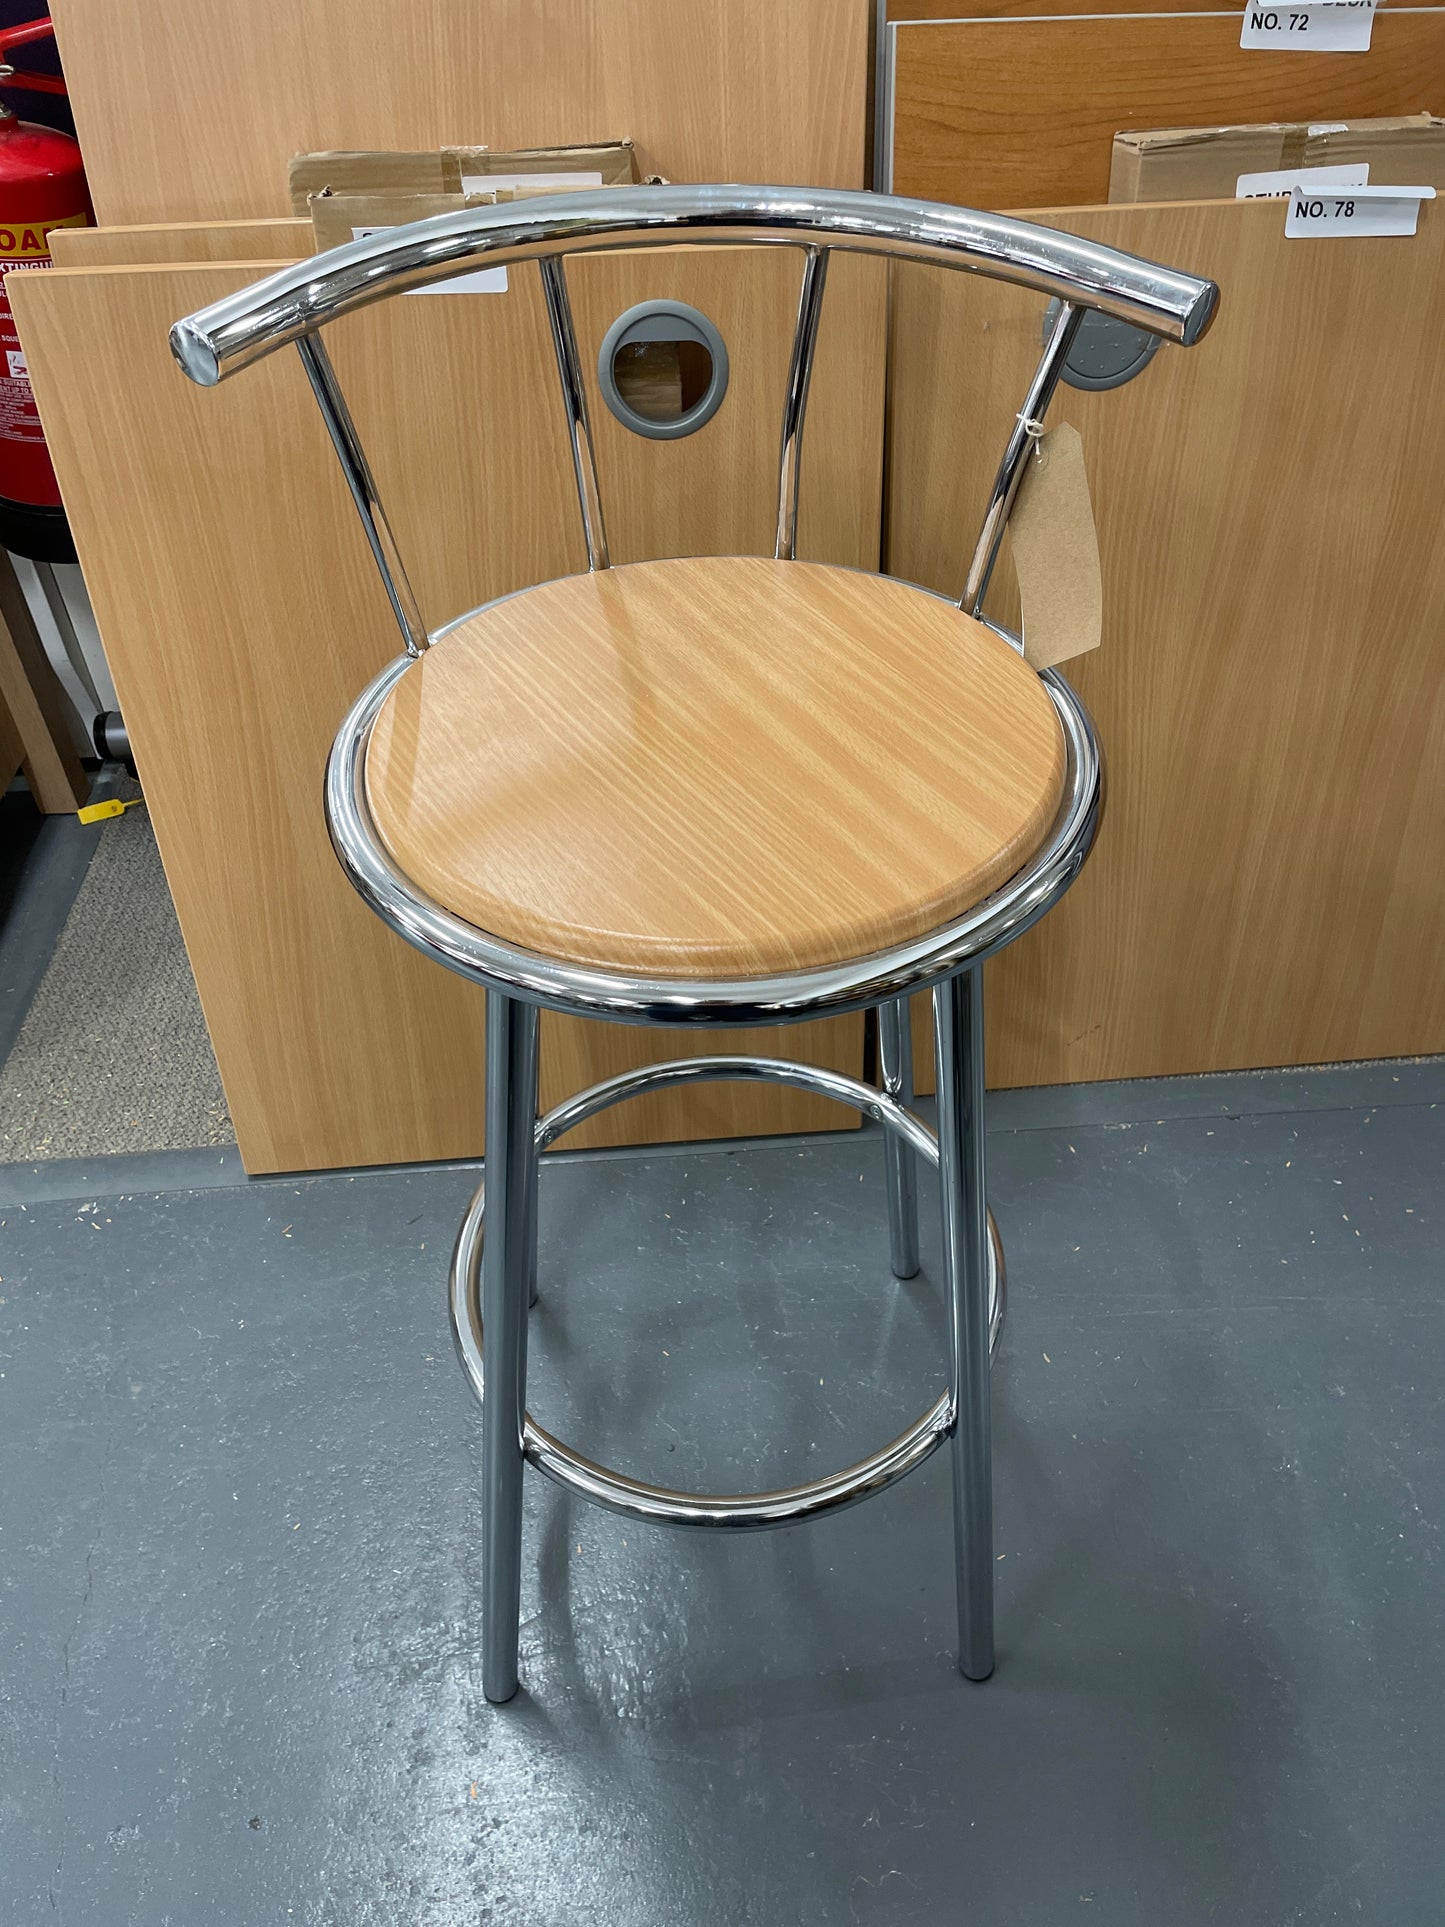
[(574, 400), (511, 1114), (958, 1030), (795, 404), (900, 1169), (360, 480), (1020, 441)]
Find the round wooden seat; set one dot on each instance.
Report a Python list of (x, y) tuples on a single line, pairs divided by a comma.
[(717, 766)]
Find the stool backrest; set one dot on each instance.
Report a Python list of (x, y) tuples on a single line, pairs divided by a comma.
[(295, 304)]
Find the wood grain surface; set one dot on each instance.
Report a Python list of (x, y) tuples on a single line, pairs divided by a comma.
[(1270, 692), (12, 750), (716, 492), (710, 493), (38, 732), (191, 109), (154, 243), (1022, 113), (722, 766), (241, 615)]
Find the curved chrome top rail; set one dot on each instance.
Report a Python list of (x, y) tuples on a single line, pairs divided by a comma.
[(232, 333)]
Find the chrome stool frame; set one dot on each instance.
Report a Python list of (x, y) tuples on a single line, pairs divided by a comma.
[(492, 1280)]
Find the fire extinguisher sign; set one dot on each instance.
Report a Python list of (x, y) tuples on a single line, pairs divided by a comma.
[(42, 187), (29, 243), (24, 246)]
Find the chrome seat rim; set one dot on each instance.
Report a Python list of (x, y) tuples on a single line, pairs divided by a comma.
[(581, 990), (636, 1498)]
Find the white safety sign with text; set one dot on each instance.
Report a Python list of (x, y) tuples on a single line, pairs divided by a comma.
[(1353, 210), (1311, 26)]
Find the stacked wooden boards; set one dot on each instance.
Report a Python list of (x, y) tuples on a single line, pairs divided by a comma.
[(1015, 103), (241, 615), (1271, 689), (234, 592)]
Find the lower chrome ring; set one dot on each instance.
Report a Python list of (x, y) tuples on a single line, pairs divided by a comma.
[(633, 1497)]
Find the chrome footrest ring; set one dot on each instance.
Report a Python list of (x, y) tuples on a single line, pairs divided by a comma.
[(633, 1497)]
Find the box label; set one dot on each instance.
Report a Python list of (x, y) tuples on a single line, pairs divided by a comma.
[(479, 281), (480, 183), (1276, 183), (1310, 26), (1353, 211)]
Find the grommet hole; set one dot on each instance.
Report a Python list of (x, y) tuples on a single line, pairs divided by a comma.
[(662, 380), (663, 370)]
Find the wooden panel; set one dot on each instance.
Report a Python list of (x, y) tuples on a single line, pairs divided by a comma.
[(715, 492), (35, 705), (1271, 689), (874, 771), (279, 239), (241, 615), (191, 109), (1023, 112), (11, 749)]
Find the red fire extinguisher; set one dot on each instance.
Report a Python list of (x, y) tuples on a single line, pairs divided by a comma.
[(42, 186)]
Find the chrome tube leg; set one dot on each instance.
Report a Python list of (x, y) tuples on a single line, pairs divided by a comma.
[(900, 1172), (532, 1228), (958, 1029), (529, 1074), (511, 1111)]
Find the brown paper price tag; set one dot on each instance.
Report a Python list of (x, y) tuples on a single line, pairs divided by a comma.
[(1056, 552)]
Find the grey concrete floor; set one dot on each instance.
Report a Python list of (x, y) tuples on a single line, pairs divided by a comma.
[(240, 1679)]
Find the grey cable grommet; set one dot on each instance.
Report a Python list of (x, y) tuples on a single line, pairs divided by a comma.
[(1106, 352), (663, 321)]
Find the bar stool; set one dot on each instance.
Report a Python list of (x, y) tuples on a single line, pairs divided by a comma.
[(713, 791)]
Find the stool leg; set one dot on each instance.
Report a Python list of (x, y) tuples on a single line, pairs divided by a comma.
[(532, 1174), (958, 1028), (900, 1173), (506, 1270)]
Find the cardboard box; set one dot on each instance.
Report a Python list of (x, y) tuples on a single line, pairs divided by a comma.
[(458, 171), (1205, 163)]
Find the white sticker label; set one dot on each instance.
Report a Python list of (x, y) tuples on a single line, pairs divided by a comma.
[(1312, 26), (16, 359), (1354, 210), (1276, 184), (479, 183), (480, 281)]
